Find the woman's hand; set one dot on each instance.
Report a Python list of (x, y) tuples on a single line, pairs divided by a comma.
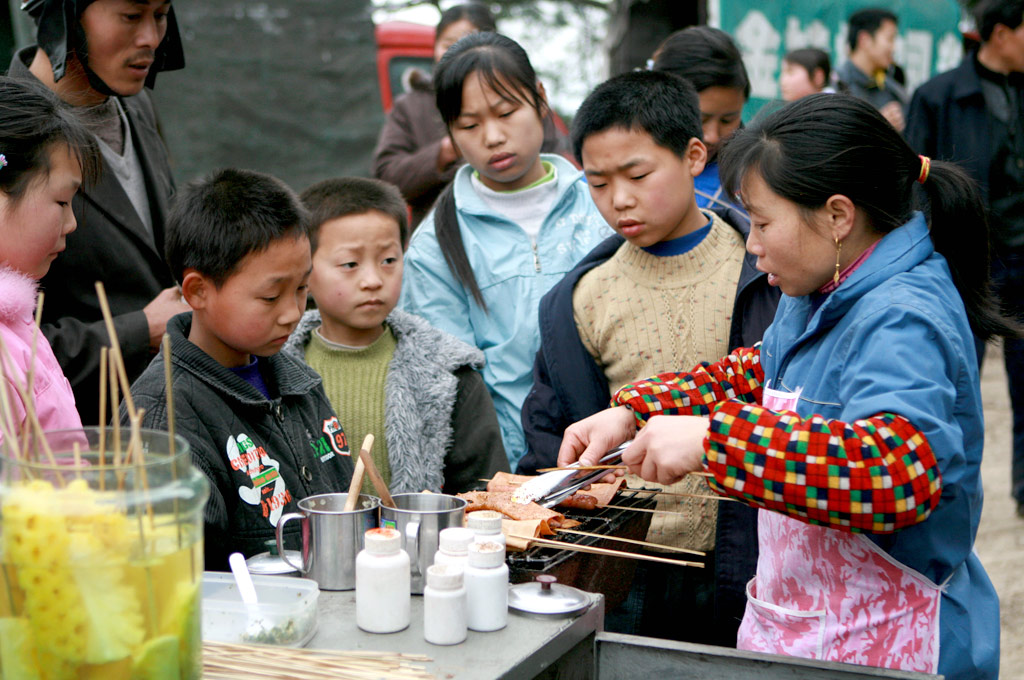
[(591, 438), (667, 449)]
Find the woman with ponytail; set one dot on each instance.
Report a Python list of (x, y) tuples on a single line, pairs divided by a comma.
[(513, 222), (856, 425)]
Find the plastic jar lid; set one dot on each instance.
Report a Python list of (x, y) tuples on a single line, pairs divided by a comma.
[(486, 555), (383, 541), (484, 521), (444, 576), (270, 563), (455, 540)]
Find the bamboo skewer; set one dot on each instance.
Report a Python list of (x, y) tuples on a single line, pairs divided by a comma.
[(653, 512), (632, 541), (115, 407), (115, 349), (10, 430), (605, 551), (680, 494), (165, 344), (103, 417), (30, 379)]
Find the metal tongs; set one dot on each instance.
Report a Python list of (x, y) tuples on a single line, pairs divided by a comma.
[(551, 488)]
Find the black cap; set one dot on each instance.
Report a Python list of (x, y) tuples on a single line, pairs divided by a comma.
[(58, 33)]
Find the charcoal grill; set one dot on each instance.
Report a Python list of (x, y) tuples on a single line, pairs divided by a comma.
[(611, 576)]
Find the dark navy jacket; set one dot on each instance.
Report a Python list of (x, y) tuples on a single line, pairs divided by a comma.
[(568, 386), (948, 121)]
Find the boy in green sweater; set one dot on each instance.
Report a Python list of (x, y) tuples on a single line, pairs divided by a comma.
[(387, 372)]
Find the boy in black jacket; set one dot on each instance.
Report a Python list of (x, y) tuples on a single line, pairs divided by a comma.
[(258, 422)]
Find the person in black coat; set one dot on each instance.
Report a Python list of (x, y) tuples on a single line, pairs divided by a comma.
[(974, 115), (119, 239)]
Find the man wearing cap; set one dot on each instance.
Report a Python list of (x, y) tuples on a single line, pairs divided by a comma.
[(99, 55)]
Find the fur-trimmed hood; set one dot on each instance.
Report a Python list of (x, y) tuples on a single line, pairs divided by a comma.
[(18, 294), (421, 390)]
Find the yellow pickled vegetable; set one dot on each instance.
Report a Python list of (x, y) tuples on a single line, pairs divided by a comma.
[(69, 551)]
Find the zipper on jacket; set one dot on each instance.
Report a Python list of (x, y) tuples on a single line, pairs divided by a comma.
[(536, 256)]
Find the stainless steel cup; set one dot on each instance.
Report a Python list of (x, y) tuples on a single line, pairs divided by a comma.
[(331, 537), (420, 517)]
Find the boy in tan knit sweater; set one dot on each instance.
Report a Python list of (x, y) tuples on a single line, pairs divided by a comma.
[(385, 371), (666, 294)]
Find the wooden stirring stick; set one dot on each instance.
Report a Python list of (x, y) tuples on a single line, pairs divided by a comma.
[(357, 477), (378, 482)]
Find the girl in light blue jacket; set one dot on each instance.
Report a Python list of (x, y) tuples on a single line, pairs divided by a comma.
[(509, 227)]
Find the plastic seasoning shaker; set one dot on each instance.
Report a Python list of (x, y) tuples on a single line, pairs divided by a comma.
[(486, 587), (444, 605), (452, 544), (383, 600), (486, 526)]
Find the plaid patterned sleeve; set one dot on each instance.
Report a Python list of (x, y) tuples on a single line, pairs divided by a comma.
[(875, 475), (737, 376)]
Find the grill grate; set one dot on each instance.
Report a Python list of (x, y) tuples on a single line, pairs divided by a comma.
[(611, 576)]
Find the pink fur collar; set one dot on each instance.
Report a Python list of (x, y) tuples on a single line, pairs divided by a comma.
[(17, 294)]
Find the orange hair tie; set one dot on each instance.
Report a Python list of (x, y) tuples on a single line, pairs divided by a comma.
[(926, 166)]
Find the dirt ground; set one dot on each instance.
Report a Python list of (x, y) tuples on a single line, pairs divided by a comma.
[(1000, 542)]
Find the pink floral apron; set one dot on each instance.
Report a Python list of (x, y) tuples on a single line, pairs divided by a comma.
[(826, 594)]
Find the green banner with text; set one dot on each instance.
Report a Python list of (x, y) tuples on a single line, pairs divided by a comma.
[(929, 40)]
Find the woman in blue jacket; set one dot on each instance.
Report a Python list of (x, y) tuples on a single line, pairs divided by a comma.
[(509, 227), (856, 426)]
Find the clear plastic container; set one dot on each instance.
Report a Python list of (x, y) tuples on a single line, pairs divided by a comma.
[(101, 558), (285, 612)]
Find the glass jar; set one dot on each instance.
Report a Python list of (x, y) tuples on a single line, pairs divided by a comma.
[(101, 556)]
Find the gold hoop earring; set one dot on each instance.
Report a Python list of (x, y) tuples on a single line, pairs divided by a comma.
[(839, 249)]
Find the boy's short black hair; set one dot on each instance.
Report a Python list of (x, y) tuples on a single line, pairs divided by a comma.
[(214, 222), (659, 103), (868, 20), (344, 196), (989, 13)]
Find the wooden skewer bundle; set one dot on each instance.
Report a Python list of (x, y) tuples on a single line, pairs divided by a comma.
[(224, 661)]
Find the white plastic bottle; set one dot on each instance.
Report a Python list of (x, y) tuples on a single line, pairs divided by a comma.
[(486, 587), (452, 543), (383, 602), (486, 526), (444, 605)]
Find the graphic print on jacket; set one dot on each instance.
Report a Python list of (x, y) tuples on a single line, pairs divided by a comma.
[(334, 437), (263, 471)]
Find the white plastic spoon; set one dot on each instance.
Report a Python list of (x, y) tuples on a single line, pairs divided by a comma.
[(248, 593)]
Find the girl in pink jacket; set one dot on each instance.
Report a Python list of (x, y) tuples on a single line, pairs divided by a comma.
[(44, 154)]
